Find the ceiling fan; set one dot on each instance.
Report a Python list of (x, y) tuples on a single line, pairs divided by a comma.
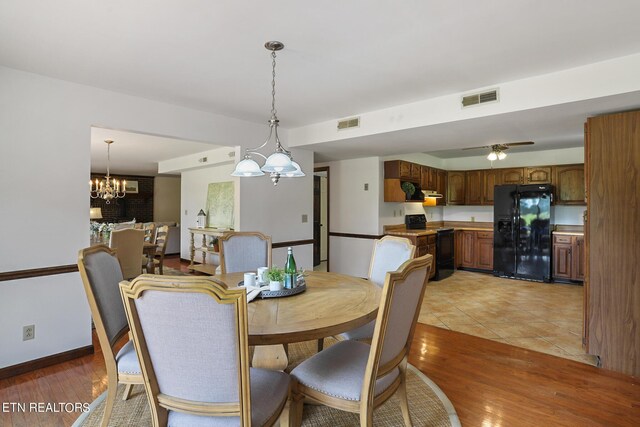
[(498, 150)]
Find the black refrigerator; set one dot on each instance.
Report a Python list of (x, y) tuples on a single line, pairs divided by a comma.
[(522, 231)]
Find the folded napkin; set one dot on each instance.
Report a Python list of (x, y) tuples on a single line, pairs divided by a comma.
[(254, 291)]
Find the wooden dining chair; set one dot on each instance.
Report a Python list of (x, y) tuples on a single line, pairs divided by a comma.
[(191, 335), (243, 251), (128, 244), (357, 377), (149, 232), (161, 238), (101, 273), (389, 253)]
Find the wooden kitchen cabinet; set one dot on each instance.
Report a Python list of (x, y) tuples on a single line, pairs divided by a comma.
[(484, 250), (405, 171), (456, 188), (538, 175), (490, 179), (568, 257), (512, 176), (475, 249), (568, 181), (441, 186), (424, 245), (473, 187), (428, 178)]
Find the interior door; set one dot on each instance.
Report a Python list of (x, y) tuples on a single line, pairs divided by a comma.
[(316, 220)]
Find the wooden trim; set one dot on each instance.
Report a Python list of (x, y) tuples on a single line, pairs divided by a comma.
[(292, 243), (43, 362), (326, 169), (38, 272), (357, 236)]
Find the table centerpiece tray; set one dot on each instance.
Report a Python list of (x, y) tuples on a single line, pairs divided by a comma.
[(281, 293)]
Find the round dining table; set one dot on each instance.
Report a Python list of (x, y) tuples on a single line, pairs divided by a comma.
[(333, 303)]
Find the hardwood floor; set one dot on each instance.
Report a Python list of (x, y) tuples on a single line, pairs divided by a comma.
[(489, 383)]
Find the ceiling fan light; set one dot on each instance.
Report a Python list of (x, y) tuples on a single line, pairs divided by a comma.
[(297, 173), (501, 155), (492, 156), (278, 162), (247, 167)]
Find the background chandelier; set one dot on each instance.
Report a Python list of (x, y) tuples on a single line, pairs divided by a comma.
[(109, 188), (280, 163)]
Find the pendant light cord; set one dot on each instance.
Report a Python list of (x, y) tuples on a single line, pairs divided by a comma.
[(273, 85)]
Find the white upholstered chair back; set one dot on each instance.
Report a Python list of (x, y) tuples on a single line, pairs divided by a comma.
[(191, 335), (389, 253), (244, 251), (128, 245), (398, 313), (101, 274)]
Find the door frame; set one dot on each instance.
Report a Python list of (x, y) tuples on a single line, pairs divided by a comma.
[(326, 169)]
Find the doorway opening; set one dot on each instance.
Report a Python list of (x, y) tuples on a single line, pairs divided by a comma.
[(321, 219)]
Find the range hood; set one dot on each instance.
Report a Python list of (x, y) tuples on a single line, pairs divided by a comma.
[(430, 197)]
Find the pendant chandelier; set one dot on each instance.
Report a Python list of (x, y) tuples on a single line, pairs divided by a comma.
[(108, 188), (280, 163)]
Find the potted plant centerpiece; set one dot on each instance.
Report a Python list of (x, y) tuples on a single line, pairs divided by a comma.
[(409, 189), (275, 275)]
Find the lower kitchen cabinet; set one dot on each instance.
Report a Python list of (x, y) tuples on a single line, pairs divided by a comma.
[(475, 249), (425, 245), (568, 257)]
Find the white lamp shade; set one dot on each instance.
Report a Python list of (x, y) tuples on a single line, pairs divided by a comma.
[(297, 173), (502, 155), (247, 167), (278, 163), (492, 156)]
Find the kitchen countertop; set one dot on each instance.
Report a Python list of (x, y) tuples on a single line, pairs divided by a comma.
[(569, 233), (401, 230)]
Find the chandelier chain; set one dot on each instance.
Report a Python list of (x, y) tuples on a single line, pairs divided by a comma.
[(273, 84)]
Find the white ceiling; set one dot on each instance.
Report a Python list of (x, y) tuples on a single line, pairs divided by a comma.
[(137, 153), (341, 58)]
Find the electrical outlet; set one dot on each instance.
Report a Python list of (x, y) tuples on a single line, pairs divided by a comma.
[(28, 332), (366, 187), (305, 218), (186, 212), (473, 219)]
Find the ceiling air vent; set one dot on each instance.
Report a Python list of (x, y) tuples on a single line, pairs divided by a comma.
[(480, 98), (353, 122)]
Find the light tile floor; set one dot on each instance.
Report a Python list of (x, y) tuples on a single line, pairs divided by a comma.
[(538, 316)]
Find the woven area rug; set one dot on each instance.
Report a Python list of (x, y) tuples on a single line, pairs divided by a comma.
[(428, 405)]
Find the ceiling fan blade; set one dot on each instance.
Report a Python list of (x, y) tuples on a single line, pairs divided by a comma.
[(515, 144), (476, 148)]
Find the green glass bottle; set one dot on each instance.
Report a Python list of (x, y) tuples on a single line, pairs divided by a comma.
[(290, 271)]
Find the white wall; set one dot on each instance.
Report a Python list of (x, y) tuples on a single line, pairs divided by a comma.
[(46, 128), (194, 188), (614, 76), (166, 198), (352, 209)]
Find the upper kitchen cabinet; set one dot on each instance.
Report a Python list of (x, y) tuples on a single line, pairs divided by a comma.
[(512, 176), (405, 171), (428, 178), (490, 178), (473, 188), (569, 184), (538, 175), (441, 186), (456, 188)]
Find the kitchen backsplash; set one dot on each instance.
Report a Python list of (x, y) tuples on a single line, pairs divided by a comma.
[(566, 215)]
